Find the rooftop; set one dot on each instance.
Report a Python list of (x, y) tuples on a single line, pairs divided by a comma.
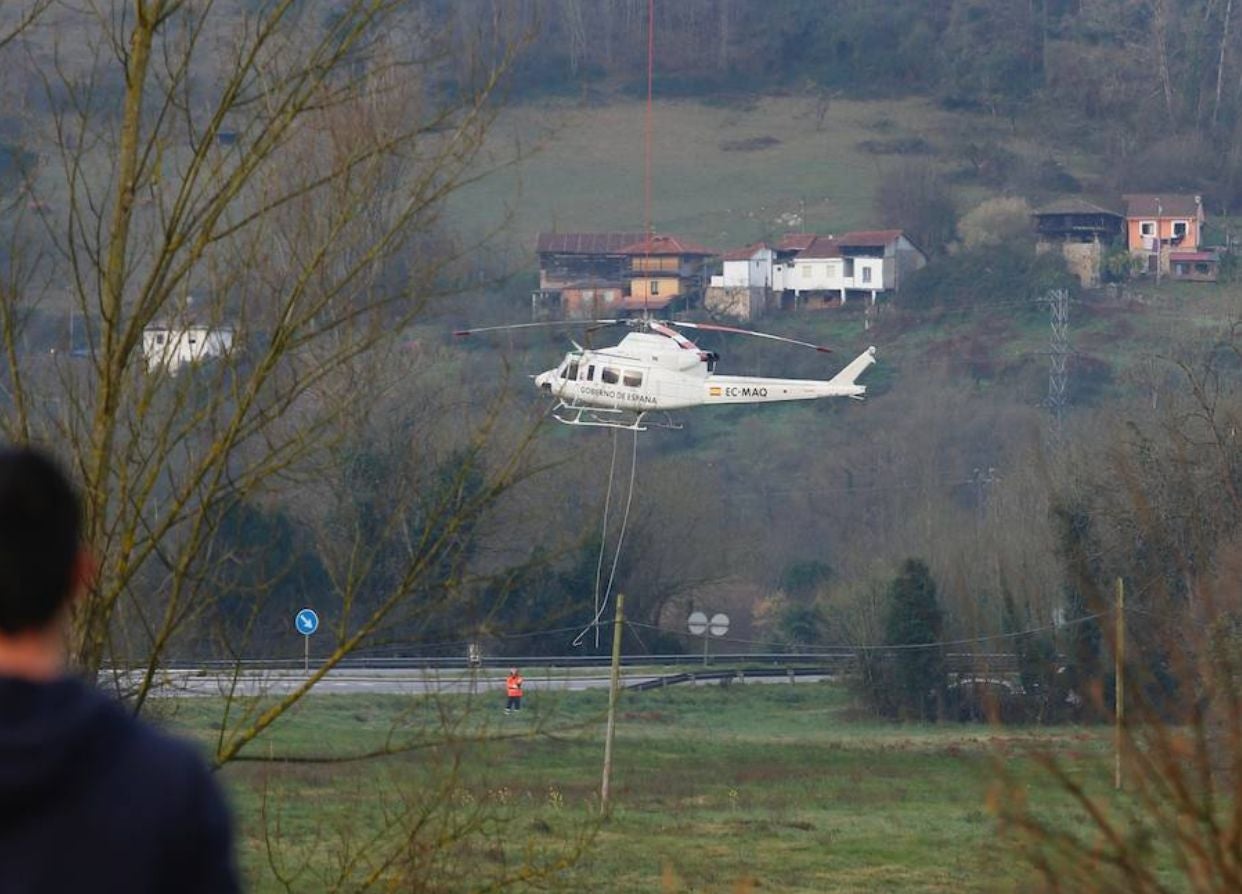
[(795, 241), (1166, 205), (821, 247), (586, 243), (1075, 206), (744, 254), (666, 245)]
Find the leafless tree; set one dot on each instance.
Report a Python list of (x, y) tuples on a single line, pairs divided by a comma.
[(236, 224), (1160, 814)]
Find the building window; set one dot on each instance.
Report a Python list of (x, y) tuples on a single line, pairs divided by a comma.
[(655, 287), (609, 376), (866, 274), (1179, 228), (1148, 228), (806, 272), (632, 379)]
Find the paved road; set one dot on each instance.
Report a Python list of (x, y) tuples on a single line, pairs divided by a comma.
[(407, 681)]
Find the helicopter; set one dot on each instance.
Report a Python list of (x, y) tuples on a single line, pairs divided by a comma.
[(656, 369)]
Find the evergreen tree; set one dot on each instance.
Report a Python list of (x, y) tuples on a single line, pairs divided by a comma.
[(920, 678), (1083, 641)]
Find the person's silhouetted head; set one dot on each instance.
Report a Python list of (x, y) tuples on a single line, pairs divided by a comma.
[(40, 531)]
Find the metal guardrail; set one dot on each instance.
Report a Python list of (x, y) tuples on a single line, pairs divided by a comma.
[(407, 662), (835, 659), (726, 676)]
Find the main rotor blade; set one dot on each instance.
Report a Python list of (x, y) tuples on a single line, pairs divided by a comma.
[(547, 324), (713, 327)]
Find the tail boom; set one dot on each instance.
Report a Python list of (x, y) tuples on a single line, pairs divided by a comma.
[(748, 389)]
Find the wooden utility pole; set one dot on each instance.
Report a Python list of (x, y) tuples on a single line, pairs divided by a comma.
[(1119, 655), (613, 688)]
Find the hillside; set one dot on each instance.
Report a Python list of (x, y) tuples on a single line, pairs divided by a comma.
[(945, 459), (726, 174)]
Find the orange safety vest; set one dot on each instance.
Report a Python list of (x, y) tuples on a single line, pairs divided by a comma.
[(513, 685)]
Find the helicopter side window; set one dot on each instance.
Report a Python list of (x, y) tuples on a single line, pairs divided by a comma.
[(572, 372), (609, 376), (632, 379), (591, 373)]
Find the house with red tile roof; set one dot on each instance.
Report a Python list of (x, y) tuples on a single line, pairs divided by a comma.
[(1165, 234), (857, 265), (804, 269), (746, 267), (743, 288), (580, 273)]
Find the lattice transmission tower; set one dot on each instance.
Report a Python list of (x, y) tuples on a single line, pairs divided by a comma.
[(1058, 355)]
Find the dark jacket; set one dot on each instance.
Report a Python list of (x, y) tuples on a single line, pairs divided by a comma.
[(93, 800)]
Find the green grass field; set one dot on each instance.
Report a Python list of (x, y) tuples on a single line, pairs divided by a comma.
[(778, 788), (583, 167)]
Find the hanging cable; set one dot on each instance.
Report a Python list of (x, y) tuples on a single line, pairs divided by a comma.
[(648, 236), (616, 557), (603, 533)]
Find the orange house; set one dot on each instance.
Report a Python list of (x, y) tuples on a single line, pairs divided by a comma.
[(1158, 226), (666, 267)]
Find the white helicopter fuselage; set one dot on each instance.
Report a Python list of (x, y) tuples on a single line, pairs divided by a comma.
[(648, 371)]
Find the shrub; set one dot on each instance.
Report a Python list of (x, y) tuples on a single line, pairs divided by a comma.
[(1010, 273)]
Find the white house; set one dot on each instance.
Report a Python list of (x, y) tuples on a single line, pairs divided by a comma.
[(900, 255), (749, 267), (862, 263), (804, 270), (171, 346), (786, 250), (822, 273)]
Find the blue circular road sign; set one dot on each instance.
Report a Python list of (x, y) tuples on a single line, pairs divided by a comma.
[(306, 621)]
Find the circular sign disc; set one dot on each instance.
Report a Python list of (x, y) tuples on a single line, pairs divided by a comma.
[(719, 624), (306, 621), (697, 623)]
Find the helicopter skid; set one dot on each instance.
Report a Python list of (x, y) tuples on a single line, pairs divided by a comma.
[(604, 417)]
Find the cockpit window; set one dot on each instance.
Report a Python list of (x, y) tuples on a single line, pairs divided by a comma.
[(632, 379), (572, 373), (609, 376)]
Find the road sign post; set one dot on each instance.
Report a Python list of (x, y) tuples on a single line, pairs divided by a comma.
[(474, 660), (699, 625), (306, 622)]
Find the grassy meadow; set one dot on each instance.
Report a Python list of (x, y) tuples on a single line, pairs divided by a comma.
[(721, 174), (778, 788)]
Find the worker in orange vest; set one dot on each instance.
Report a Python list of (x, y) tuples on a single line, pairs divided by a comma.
[(513, 689)]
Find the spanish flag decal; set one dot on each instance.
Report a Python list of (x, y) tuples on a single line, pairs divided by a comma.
[(714, 391)]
